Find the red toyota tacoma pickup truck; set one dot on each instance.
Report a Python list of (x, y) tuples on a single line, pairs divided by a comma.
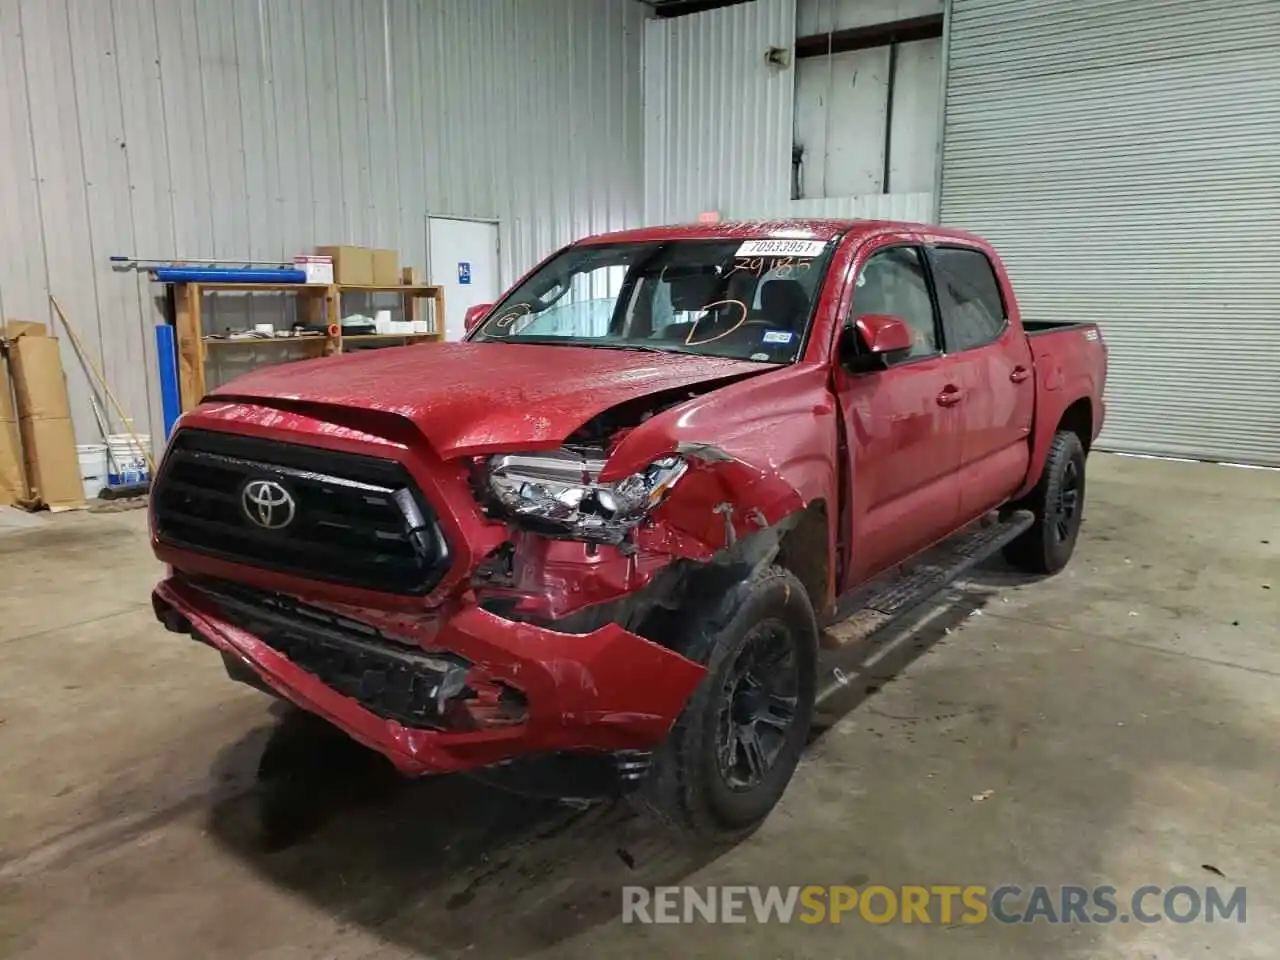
[(611, 525)]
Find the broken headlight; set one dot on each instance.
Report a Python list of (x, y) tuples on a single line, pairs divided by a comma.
[(559, 492)]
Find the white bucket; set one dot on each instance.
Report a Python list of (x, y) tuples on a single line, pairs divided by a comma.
[(93, 467), (128, 459)]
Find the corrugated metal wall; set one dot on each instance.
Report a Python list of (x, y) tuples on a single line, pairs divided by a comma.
[(1125, 159), (718, 122), (258, 128)]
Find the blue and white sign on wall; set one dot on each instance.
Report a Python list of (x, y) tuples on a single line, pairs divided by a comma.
[(464, 272)]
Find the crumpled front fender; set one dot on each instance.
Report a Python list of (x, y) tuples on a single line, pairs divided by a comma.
[(759, 451), (720, 501)]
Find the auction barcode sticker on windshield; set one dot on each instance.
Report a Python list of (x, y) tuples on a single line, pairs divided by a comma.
[(781, 248)]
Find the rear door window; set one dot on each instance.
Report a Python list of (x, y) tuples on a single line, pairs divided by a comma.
[(973, 311)]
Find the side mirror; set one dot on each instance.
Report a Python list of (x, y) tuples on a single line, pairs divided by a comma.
[(874, 341), (474, 315), (884, 334)]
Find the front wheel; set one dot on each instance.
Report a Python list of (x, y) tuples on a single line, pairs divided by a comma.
[(1058, 504), (734, 748)]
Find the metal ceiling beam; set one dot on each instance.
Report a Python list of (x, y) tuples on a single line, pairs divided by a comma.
[(679, 8), (928, 27)]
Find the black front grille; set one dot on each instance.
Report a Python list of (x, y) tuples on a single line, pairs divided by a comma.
[(354, 520), (387, 677)]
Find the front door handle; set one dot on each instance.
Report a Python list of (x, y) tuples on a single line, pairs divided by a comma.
[(1019, 374), (950, 396)]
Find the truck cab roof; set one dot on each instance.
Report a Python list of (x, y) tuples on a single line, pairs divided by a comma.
[(797, 229)]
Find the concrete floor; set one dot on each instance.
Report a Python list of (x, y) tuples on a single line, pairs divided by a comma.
[(1125, 714)]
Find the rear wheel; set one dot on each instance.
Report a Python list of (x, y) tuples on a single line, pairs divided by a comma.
[(1058, 504), (733, 750)]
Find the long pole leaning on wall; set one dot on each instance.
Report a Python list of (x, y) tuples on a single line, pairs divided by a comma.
[(943, 74), (87, 359)]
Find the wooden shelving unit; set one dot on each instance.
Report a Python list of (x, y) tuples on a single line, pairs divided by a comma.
[(322, 304)]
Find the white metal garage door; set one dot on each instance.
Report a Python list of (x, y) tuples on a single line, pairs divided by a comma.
[(1124, 155)]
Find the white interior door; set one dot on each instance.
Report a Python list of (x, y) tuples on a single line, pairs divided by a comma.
[(464, 260)]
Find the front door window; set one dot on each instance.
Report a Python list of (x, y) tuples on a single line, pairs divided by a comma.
[(893, 282)]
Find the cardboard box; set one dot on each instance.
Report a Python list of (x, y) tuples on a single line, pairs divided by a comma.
[(351, 265), (8, 412), (318, 269), (386, 268), (44, 418), (13, 482), (41, 386), (22, 328), (53, 467), (13, 479)]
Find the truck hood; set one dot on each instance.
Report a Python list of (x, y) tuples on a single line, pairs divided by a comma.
[(477, 398)]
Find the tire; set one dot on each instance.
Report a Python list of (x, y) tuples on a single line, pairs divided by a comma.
[(1058, 504), (735, 747)]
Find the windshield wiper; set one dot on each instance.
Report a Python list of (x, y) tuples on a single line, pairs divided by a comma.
[(642, 347), (536, 341)]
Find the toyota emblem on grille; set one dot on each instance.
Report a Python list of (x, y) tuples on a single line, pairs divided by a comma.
[(268, 504)]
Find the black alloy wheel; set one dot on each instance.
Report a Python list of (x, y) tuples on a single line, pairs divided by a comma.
[(735, 746), (1067, 503), (1058, 504), (758, 706)]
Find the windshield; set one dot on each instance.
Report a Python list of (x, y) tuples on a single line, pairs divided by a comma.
[(749, 300)]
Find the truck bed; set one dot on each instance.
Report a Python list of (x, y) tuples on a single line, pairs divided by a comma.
[(1034, 327)]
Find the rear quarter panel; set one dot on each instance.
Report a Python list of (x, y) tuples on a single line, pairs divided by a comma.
[(1070, 369)]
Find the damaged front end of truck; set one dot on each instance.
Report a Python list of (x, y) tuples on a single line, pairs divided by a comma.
[(573, 561), (478, 610)]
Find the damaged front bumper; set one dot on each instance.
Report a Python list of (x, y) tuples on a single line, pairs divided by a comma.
[(487, 691)]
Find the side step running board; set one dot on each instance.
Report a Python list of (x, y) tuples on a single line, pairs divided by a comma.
[(875, 608)]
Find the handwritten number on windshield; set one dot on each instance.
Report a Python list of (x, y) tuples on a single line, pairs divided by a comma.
[(783, 267)]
